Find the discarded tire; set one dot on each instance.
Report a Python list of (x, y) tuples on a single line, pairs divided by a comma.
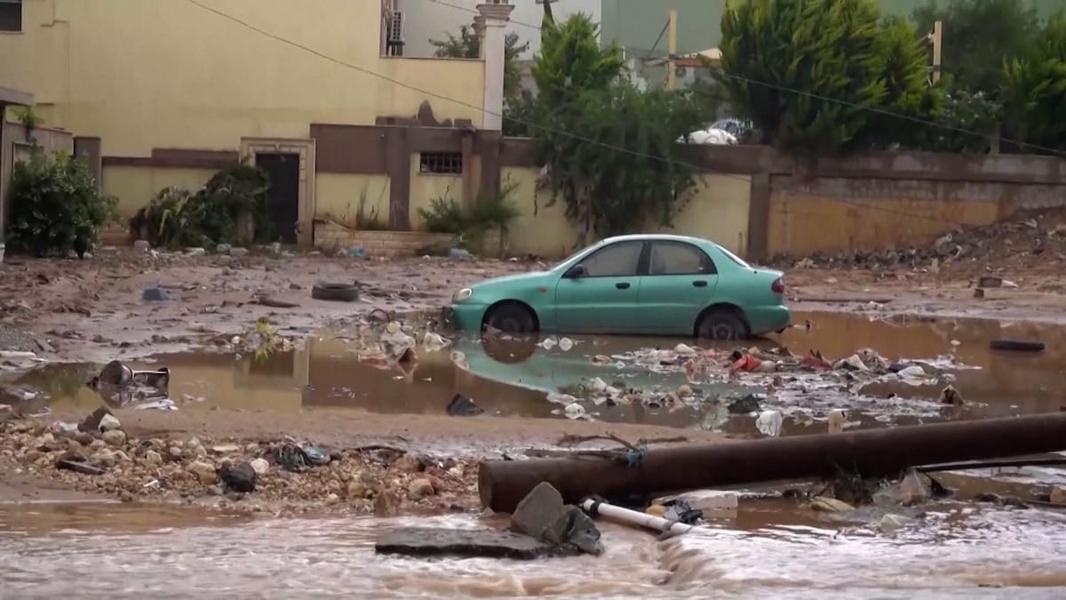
[(337, 292), (1017, 345)]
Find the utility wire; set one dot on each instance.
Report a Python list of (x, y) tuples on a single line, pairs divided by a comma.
[(532, 125), (659, 39)]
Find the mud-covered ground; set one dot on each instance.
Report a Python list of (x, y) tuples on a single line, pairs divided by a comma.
[(92, 311)]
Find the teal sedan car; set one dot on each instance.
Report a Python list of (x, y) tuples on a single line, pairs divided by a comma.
[(638, 284)]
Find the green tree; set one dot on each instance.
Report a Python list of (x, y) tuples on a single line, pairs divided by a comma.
[(1035, 88), (468, 45), (589, 112), (979, 35), (808, 73)]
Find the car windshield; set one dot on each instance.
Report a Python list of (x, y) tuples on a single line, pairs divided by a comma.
[(733, 257), (566, 260)]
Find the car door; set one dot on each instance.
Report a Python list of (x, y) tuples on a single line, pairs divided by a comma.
[(679, 283), (603, 299)]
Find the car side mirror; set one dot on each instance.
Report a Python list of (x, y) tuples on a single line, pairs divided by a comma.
[(577, 272)]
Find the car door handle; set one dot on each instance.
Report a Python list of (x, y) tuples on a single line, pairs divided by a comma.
[(699, 284), (622, 286)]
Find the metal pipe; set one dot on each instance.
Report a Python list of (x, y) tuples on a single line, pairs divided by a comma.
[(869, 453)]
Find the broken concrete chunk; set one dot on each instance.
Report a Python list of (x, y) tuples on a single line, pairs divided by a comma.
[(582, 532), (91, 424), (422, 541), (539, 512)]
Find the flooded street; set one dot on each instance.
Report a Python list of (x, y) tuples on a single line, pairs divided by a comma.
[(769, 547)]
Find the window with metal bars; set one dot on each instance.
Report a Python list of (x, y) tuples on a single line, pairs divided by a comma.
[(441, 162)]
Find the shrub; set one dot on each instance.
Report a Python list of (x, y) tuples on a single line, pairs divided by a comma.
[(55, 206), (445, 215), (160, 221)]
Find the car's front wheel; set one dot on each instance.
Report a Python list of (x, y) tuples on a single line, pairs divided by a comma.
[(721, 324), (511, 317)]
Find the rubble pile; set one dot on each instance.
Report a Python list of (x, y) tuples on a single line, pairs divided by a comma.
[(1030, 238), (255, 476)]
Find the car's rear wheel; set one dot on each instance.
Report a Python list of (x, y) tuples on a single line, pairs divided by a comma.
[(721, 324), (511, 317)]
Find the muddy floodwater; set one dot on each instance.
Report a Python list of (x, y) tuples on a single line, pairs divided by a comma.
[(765, 549), (768, 547)]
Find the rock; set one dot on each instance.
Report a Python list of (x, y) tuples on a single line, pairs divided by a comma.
[(238, 252), (109, 423), (195, 251), (1057, 495), (79, 467), (332, 499), (385, 504), (104, 457), (223, 249), (582, 532), (357, 489), (421, 541), (542, 515), (114, 437), (153, 458), (92, 422), (225, 449), (420, 488), (83, 438), (174, 452), (97, 445), (260, 465), (462, 406), (239, 478), (408, 463), (952, 396), (830, 505), (914, 488), (745, 405), (142, 246), (204, 471), (893, 522), (154, 294)]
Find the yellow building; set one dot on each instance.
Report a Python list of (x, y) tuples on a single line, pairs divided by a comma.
[(176, 89)]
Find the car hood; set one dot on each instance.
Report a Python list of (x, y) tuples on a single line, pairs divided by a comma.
[(519, 278)]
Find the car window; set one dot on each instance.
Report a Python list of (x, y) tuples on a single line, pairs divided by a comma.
[(733, 257), (616, 260), (676, 258)]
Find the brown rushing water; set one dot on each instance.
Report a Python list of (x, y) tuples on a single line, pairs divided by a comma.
[(766, 549)]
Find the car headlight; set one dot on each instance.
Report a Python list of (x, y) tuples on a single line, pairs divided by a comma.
[(462, 294)]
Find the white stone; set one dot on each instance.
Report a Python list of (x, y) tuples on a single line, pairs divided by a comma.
[(109, 422), (204, 471), (260, 466), (115, 437)]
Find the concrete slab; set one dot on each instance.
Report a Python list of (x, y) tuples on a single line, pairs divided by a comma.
[(467, 543)]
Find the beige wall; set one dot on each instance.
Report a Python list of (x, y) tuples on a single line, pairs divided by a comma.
[(718, 210), (339, 197), (143, 74), (136, 186)]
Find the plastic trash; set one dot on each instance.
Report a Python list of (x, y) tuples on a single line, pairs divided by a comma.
[(769, 423), (574, 411), (745, 363), (566, 344), (597, 385), (684, 350), (836, 421), (548, 343), (315, 455), (851, 363), (433, 342)]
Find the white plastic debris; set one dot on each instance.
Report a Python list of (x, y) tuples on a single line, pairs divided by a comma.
[(836, 421), (433, 342), (566, 344), (769, 423), (548, 343), (574, 411), (597, 385), (912, 372), (684, 350)]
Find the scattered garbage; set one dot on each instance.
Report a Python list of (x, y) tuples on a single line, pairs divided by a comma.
[(951, 396), (433, 342), (829, 505), (357, 252), (462, 406), (745, 405), (566, 344), (837, 421), (336, 292), (79, 466), (575, 411)]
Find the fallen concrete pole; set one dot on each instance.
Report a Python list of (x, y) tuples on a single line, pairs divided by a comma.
[(870, 453)]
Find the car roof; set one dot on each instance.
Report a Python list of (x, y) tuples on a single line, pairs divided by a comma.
[(657, 236)]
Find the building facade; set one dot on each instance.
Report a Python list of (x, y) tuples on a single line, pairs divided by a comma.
[(173, 90)]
